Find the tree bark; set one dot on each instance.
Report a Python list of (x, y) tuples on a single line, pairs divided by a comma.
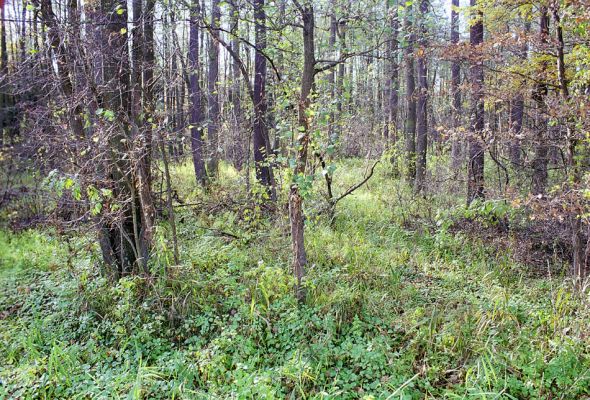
[(456, 110), (475, 171), (260, 139), (422, 109), (295, 198), (539, 178), (196, 116), (213, 95), (392, 72), (410, 125)]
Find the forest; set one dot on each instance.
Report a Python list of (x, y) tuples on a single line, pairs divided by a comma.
[(294, 199)]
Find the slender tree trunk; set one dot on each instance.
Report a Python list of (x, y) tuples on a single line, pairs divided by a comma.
[(239, 147), (475, 171), (213, 95), (340, 81), (260, 138), (4, 74), (456, 110), (410, 125), (196, 115), (422, 108), (149, 61), (394, 76), (540, 162), (517, 111), (295, 198), (332, 72)]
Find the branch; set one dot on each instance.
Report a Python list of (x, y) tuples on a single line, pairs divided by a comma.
[(358, 185), (236, 58)]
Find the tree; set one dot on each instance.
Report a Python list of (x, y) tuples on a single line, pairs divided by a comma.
[(213, 94), (410, 125), (196, 110), (421, 104), (260, 138), (541, 90), (475, 171), (392, 71), (455, 88), (295, 197)]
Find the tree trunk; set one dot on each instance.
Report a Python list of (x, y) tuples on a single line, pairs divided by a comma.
[(240, 145), (196, 116), (410, 125), (260, 138), (295, 199), (332, 72), (540, 162), (422, 115), (475, 171), (213, 95), (456, 110), (340, 81)]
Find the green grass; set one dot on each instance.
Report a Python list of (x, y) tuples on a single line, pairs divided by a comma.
[(397, 309)]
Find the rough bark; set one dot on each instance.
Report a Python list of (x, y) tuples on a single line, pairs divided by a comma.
[(539, 178), (456, 110), (517, 110), (475, 171), (213, 92), (421, 103), (196, 108), (260, 139), (392, 75), (410, 124), (295, 198)]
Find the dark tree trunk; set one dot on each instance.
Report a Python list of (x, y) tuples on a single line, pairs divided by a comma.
[(124, 241), (410, 125), (332, 72), (475, 171), (456, 110), (295, 198), (340, 81), (213, 95), (260, 140), (240, 145), (392, 72), (422, 115), (196, 114), (517, 111), (541, 152), (149, 61), (4, 73)]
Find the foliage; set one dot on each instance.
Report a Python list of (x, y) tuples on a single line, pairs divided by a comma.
[(392, 312)]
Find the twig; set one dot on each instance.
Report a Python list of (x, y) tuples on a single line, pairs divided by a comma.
[(358, 185)]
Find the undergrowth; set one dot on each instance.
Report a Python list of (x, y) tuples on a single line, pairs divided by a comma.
[(399, 307)]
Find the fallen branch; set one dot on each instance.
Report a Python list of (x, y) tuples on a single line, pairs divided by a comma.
[(218, 231)]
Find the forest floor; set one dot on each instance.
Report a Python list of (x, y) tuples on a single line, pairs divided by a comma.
[(400, 305)]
